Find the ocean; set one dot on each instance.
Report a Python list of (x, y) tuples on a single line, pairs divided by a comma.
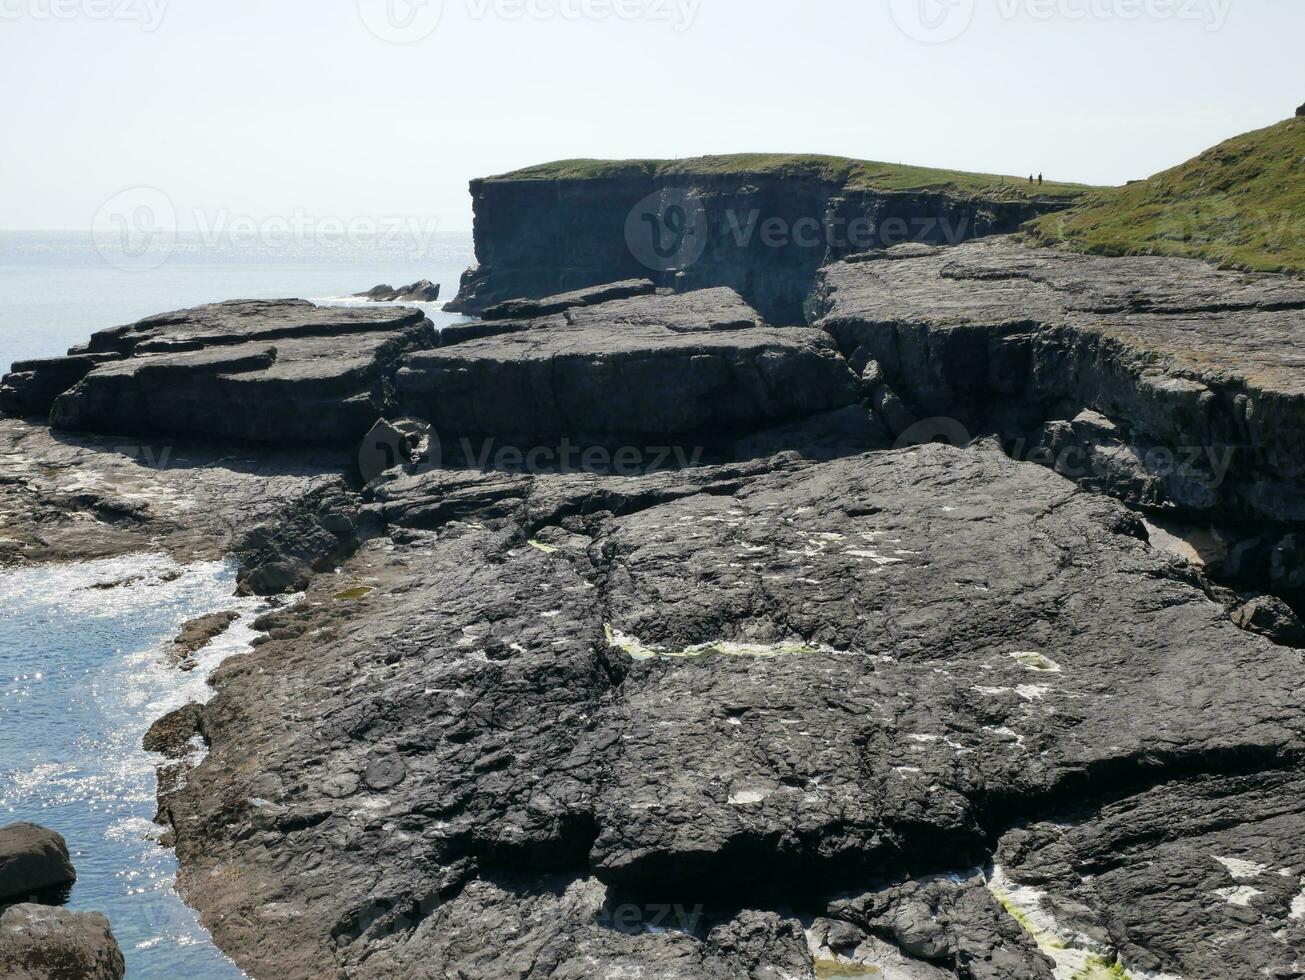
[(83, 669), (56, 288)]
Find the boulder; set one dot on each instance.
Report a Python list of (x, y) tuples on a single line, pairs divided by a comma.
[(1270, 616), (422, 291), (1300, 111), (269, 371), (42, 943), (644, 370), (32, 859), (200, 632), (171, 735)]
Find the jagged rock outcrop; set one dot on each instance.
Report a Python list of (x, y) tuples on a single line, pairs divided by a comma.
[(1195, 372), (641, 370), (422, 291), (33, 859), (571, 700), (279, 372), (42, 943), (314, 533), (764, 234)]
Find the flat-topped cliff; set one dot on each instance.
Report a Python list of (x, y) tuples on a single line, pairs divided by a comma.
[(761, 224)]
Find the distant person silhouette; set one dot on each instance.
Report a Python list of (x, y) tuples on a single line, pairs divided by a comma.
[(1039, 180)]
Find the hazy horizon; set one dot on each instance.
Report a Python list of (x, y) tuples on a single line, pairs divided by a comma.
[(357, 111)]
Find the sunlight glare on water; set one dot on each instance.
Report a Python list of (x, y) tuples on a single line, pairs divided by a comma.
[(83, 674)]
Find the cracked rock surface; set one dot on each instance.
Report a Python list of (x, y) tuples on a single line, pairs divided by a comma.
[(284, 372), (67, 497), (767, 698), (642, 367), (1201, 362)]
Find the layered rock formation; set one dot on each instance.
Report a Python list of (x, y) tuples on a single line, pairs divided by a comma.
[(644, 368), (1166, 382), (762, 230), (923, 712), (283, 372)]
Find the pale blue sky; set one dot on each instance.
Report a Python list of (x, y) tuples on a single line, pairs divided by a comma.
[(266, 108)]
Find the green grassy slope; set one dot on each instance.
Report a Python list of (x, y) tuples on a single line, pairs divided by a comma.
[(1240, 204), (840, 170)]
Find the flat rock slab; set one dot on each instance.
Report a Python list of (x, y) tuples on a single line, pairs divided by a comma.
[(647, 367), (65, 496), (1187, 356), (277, 371), (32, 859), (42, 943), (791, 688)]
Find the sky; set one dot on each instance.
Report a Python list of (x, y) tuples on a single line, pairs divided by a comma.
[(354, 110)]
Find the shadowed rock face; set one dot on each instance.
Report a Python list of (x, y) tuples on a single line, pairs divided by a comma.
[(32, 859), (540, 237), (644, 367), (782, 686), (283, 372), (1178, 354)]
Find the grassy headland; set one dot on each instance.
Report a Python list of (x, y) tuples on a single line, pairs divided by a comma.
[(1240, 204), (837, 170)]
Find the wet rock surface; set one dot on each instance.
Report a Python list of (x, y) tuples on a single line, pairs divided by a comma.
[(769, 696), (42, 943), (33, 859), (200, 632), (279, 372), (68, 496)]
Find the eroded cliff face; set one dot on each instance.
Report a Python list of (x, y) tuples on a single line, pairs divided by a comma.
[(765, 236)]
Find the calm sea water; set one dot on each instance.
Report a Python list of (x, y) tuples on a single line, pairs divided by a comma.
[(83, 672), (56, 288)]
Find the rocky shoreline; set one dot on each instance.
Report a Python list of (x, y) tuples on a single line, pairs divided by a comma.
[(804, 696)]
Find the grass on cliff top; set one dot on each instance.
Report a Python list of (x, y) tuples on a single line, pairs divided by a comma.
[(1240, 204), (838, 170)]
